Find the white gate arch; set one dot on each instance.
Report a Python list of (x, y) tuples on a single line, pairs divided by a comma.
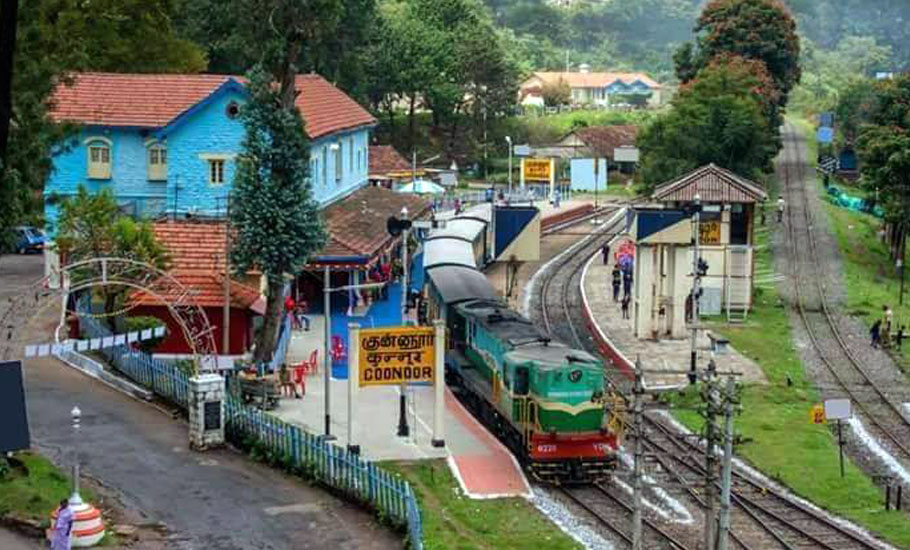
[(26, 302)]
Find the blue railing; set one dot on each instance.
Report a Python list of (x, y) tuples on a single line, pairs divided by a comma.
[(300, 451)]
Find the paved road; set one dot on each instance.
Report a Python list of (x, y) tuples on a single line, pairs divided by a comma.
[(13, 541), (218, 499)]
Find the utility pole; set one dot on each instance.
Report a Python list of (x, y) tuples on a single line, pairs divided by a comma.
[(403, 428), (695, 284), (711, 398), (637, 406), (226, 311), (327, 371), (726, 480)]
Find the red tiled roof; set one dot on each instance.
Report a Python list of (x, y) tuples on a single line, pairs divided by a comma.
[(712, 184), (154, 100), (385, 159), (197, 256), (602, 140), (357, 224)]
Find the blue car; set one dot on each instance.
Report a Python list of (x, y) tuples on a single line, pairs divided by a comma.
[(28, 239)]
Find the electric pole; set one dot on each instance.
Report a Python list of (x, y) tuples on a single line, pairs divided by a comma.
[(638, 392), (696, 280), (726, 480), (711, 398)]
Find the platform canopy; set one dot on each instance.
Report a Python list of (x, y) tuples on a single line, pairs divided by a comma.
[(422, 187), (712, 184)]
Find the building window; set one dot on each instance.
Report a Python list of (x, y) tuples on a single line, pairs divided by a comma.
[(99, 159), (216, 171), (157, 162), (325, 163), (339, 155), (351, 154)]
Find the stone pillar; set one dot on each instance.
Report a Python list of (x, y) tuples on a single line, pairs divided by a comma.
[(206, 411)]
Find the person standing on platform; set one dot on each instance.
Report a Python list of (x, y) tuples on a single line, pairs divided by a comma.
[(289, 307), (625, 306), (627, 282), (617, 280), (605, 250)]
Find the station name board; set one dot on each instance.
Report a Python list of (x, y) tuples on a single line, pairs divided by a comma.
[(537, 169), (392, 356)]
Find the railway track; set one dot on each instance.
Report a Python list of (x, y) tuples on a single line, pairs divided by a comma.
[(615, 513), (762, 518), (768, 518), (812, 304)]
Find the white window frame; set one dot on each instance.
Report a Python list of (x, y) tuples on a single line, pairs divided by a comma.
[(99, 169), (351, 154), (339, 161), (325, 164), (156, 161), (216, 171)]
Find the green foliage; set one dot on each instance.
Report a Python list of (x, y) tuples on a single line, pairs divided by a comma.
[(277, 220), (752, 29), (91, 226), (719, 117), (140, 323), (447, 56), (556, 93)]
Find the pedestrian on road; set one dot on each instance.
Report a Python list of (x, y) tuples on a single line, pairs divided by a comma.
[(875, 333), (625, 306), (617, 280), (780, 209), (627, 282), (63, 527), (605, 250)]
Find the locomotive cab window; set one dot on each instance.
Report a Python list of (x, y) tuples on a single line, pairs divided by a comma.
[(522, 381)]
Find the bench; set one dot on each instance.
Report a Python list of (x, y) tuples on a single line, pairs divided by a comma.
[(718, 343)]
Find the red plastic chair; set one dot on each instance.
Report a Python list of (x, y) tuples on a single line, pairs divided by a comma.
[(311, 365)]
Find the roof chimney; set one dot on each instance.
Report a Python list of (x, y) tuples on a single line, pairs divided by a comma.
[(584, 68)]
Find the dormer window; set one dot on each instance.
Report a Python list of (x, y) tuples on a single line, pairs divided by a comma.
[(99, 158), (157, 162)]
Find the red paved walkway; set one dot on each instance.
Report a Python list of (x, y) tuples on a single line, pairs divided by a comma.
[(485, 468)]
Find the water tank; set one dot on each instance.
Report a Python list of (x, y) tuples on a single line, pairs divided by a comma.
[(584, 68)]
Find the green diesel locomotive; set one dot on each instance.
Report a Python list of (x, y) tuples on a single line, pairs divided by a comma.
[(543, 399)]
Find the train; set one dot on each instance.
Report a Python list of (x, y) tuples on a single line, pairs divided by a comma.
[(547, 402)]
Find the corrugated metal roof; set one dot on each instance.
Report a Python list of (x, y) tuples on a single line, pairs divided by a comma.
[(457, 283), (712, 184)]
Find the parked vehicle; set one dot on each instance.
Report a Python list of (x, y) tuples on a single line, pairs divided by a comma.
[(28, 239)]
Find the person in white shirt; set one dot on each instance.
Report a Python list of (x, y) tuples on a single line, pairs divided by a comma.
[(780, 209)]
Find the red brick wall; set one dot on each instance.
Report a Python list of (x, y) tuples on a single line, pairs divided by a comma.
[(175, 342)]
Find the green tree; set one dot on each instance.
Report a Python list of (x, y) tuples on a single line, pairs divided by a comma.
[(91, 226), (753, 29), (718, 117), (277, 220), (556, 93)]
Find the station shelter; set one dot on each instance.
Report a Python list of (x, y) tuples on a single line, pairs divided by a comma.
[(663, 234), (360, 250)]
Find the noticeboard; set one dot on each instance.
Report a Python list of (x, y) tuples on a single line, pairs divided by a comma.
[(626, 154), (837, 409), (817, 414), (399, 355), (537, 169), (709, 232), (14, 434)]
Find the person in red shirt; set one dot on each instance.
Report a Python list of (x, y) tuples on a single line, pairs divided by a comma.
[(289, 310)]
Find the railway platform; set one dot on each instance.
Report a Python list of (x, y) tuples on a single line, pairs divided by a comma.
[(656, 355), (483, 466)]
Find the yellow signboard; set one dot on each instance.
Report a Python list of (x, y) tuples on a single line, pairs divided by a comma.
[(709, 232), (537, 169), (392, 356), (817, 414)]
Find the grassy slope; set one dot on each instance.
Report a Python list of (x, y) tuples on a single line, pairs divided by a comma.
[(35, 495), (780, 441), (452, 521)]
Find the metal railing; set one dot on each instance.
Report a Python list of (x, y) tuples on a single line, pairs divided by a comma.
[(296, 449)]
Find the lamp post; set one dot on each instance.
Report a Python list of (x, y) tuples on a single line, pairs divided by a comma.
[(509, 141), (695, 285), (327, 370), (75, 498), (403, 429)]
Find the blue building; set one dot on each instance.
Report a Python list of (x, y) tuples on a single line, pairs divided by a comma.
[(167, 144)]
